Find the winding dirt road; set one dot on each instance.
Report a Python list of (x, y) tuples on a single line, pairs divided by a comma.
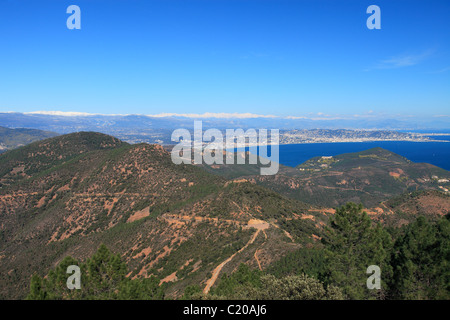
[(258, 225)]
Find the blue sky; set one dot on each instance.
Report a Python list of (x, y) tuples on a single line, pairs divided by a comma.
[(284, 58)]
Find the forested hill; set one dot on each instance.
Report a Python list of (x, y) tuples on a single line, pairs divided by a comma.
[(13, 138), (66, 195), (368, 177)]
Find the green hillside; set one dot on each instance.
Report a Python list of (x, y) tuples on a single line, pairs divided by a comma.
[(366, 177), (13, 138), (65, 195), (179, 230)]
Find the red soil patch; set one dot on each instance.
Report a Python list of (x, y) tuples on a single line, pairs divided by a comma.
[(139, 214), (258, 224), (64, 188), (17, 170), (315, 237), (41, 202), (110, 204), (170, 278), (145, 252)]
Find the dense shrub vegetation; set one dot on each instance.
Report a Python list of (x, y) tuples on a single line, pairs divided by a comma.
[(414, 262), (102, 277)]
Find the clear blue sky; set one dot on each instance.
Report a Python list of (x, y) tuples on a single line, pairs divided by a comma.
[(266, 57)]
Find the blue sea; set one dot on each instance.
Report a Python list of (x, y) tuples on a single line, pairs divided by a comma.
[(437, 153)]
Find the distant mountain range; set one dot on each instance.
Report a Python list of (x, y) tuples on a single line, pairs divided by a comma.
[(158, 129), (67, 194), (69, 122)]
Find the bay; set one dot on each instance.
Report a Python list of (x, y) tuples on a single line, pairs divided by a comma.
[(436, 153)]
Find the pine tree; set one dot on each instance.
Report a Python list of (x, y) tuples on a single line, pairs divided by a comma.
[(103, 276), (421, 261), (37, 291), (352, 244)]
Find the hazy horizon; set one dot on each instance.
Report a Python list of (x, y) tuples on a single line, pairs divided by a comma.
[(306, 59)]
